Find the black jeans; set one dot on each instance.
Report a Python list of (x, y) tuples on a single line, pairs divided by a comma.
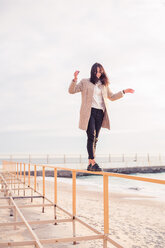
[(94, 126)]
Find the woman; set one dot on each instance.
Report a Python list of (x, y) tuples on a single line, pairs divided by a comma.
[(93, 112)]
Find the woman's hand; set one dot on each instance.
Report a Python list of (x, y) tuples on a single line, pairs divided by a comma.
[(75, 75), (129, 90)]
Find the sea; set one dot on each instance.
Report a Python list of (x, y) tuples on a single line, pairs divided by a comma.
[(126, 186)]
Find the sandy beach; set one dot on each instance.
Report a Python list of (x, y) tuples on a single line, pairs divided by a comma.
[(135, 221)]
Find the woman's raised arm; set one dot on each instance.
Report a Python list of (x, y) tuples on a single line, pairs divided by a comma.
[(74, 87)]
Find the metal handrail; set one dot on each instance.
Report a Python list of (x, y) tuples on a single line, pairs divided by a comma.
[(20, 173)]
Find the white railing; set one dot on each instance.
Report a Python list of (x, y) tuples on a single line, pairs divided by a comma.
[(111, 158)]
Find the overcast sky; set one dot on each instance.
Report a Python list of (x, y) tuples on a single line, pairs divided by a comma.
[(42, 43)]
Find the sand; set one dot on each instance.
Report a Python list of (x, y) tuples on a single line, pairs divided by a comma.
[(135, 221)]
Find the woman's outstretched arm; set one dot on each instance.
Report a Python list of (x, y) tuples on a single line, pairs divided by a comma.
[(115, 96)]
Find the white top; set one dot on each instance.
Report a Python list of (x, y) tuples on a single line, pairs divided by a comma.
[(98, 101)]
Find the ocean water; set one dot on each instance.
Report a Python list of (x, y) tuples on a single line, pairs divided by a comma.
[(126, 186), (121, 185)]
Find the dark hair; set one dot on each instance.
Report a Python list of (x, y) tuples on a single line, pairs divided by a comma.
[(93, 79)]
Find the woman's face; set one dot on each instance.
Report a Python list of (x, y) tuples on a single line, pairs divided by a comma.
[(98, 74)]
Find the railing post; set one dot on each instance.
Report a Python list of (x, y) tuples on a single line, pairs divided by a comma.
[(29, 174), (74, 202), (55, 193), (17, 170), (29, 159), (12, 181), (24, 177), (160, 161), (24, 173), (47, 158), (35, 174), (123, 158), (148, 158), (15, 173), (20, 171), (74, 192), (106, 208), (18, 181), (43, 176), (29, 182), (15, 218), (109, 157), (32, 193)]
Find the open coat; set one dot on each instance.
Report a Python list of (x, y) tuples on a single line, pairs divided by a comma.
[(87, 89)]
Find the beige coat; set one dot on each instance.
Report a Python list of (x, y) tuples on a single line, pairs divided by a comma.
[(87, 88)]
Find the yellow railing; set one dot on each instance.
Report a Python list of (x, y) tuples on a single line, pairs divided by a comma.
[(19, 171)]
